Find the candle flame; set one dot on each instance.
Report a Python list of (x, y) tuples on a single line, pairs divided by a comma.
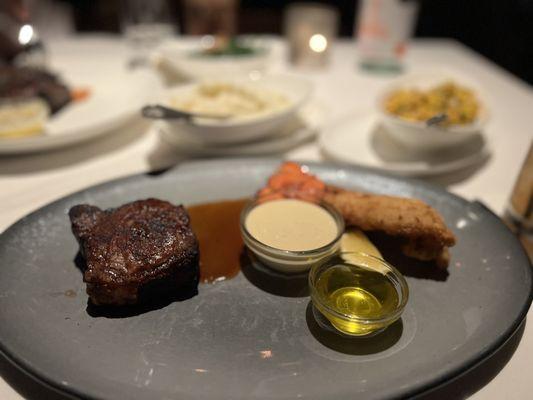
[(318, 43)]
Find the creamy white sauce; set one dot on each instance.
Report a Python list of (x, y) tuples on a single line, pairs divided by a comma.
[(291, 225)]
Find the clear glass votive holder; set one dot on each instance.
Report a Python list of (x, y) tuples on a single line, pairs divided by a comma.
[(310, 30)]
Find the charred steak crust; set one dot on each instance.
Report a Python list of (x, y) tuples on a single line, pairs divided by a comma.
[(27, 82), (134, 246)]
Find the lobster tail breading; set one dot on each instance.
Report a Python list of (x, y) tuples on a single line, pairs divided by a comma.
[(425, 234)]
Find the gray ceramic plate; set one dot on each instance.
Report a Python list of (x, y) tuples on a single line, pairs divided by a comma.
[(246, 338)]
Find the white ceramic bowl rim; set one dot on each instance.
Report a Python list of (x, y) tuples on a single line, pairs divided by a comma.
[(409, 81), (265, 81), (190, 48)]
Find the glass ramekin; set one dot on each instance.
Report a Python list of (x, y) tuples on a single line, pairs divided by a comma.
[(352, 263), (288, 261)]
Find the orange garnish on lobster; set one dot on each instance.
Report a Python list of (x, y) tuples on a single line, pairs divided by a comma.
[(291, 182)]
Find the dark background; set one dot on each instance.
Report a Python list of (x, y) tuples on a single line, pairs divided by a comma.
[(501, 30)]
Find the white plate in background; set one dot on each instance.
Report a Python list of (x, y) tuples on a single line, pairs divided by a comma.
[(178, 55), (115, 97), (360, 139)]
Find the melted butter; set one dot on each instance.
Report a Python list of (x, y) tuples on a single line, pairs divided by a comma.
[(356, 292), (216, 226), (355, 301)]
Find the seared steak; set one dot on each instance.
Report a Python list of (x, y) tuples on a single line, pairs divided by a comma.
[(23, 82), (135, 246)]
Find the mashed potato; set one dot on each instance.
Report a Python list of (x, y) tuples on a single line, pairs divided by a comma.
[(22, 118), (231, 100)]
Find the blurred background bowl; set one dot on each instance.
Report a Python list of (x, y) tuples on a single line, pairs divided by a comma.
[(240, 130), (418, 135), (186, 59)]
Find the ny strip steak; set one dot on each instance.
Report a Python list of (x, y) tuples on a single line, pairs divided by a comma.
[(134, 249)]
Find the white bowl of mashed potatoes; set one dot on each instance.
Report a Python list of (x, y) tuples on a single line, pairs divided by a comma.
[(408, 103), (247, 109)]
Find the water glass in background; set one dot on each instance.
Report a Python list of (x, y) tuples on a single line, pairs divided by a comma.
[(383, 30), (519, 211), (145, 25), (310, 30)]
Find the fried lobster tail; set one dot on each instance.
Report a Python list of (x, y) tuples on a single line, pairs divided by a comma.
[(421, 228), (425, 234)]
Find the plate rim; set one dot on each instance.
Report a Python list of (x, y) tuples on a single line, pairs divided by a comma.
[(43, 143), (311, 128), (189, 165), (398, 169), (52, 143)]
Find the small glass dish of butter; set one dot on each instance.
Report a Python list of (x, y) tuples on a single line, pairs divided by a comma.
[(357, 294)]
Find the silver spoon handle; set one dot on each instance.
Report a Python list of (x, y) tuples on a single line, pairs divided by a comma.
[(436, 119), (158, 111)]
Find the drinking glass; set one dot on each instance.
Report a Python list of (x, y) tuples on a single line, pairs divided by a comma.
[(145, 24)]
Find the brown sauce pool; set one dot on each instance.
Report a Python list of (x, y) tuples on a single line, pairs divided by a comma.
[(216, 226)]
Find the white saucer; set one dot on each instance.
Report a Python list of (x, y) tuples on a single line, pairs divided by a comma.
[(360, 139), (302, 128)]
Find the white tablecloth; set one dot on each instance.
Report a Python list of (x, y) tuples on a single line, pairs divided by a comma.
[(29, 182)]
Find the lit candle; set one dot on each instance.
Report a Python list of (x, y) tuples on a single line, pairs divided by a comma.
[(310, 28), (318, 43)]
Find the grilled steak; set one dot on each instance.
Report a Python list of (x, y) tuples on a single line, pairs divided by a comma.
[(23, 82), (139, 245)]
